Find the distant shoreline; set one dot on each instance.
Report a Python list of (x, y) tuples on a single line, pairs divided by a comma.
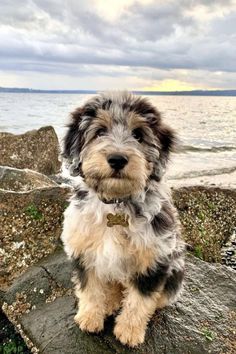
[(229, 93)]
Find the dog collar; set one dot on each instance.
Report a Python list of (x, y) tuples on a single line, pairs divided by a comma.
[(116, 201), (119, 218)]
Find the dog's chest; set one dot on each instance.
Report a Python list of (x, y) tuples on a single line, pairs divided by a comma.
[(113, 259), (110, 251)]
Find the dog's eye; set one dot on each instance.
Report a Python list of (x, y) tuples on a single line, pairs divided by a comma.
[(138, 134), (101, 131)]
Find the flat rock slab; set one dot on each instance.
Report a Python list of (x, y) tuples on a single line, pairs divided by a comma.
[(37, 150), (41, 305)]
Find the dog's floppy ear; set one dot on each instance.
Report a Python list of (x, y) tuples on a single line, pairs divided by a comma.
[(168, 142), (166, 136), (73, 142)]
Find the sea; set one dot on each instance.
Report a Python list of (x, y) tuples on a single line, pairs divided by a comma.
[(206, 126)]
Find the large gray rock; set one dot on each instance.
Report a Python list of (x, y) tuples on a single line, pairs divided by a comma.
[(37, 150), (31, 211), (41, 306)]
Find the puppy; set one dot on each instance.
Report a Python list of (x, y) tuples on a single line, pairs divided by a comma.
[(121, 230)]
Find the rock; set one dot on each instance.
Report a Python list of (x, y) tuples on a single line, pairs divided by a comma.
[(37, 150), (31, 210), (41, 306), (10, 340), (208, 218), (17, 180), (228, 251)]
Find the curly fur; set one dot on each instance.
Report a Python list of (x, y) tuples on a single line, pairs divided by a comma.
[(134, 269)]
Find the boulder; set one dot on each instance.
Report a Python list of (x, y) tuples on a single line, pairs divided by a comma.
[(41, 306), (208, 218), (31, 210), (37, 150)]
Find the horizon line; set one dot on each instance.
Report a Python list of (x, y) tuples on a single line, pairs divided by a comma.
[(231, 92)]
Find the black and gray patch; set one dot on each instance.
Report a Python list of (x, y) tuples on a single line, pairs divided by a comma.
[(75, 137), (79, 271), (174, 282), (152, 279), (81, 194), (155, 176), (163, 221), (135, 208), (107, 104), (142, 107), (70, 140), (90, 111)]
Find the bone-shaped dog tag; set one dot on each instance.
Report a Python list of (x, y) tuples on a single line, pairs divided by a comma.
[(117, 219)]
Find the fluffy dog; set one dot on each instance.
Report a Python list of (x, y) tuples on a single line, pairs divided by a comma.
[(121, 230)]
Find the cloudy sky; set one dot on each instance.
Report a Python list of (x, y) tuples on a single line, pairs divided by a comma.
[(118, 44)]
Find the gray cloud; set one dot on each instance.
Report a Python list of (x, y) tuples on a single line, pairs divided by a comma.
[(71, 37)]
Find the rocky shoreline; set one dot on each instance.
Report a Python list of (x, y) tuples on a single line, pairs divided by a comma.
[(32, 204)]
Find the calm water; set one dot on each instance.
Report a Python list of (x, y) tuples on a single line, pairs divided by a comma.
[(206, 125)]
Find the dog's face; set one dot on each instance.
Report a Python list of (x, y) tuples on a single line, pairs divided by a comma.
[(117, 142)]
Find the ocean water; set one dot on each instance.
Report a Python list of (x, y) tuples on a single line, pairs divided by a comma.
[(206, 126)]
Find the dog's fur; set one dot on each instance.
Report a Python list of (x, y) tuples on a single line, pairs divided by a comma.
[(135, 269)]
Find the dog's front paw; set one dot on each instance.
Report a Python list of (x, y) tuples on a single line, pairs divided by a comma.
[(129, 333), (89, 321)]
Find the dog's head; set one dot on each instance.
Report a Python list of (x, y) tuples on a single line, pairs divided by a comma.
[(117, 142)]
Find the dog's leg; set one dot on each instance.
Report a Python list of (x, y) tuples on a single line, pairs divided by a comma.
[(136, 311), (92, 305), (113, 297)]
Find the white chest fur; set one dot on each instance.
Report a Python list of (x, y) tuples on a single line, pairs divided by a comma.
[(113, 252)]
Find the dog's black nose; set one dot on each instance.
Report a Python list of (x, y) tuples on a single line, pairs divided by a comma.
[(117, 162)]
